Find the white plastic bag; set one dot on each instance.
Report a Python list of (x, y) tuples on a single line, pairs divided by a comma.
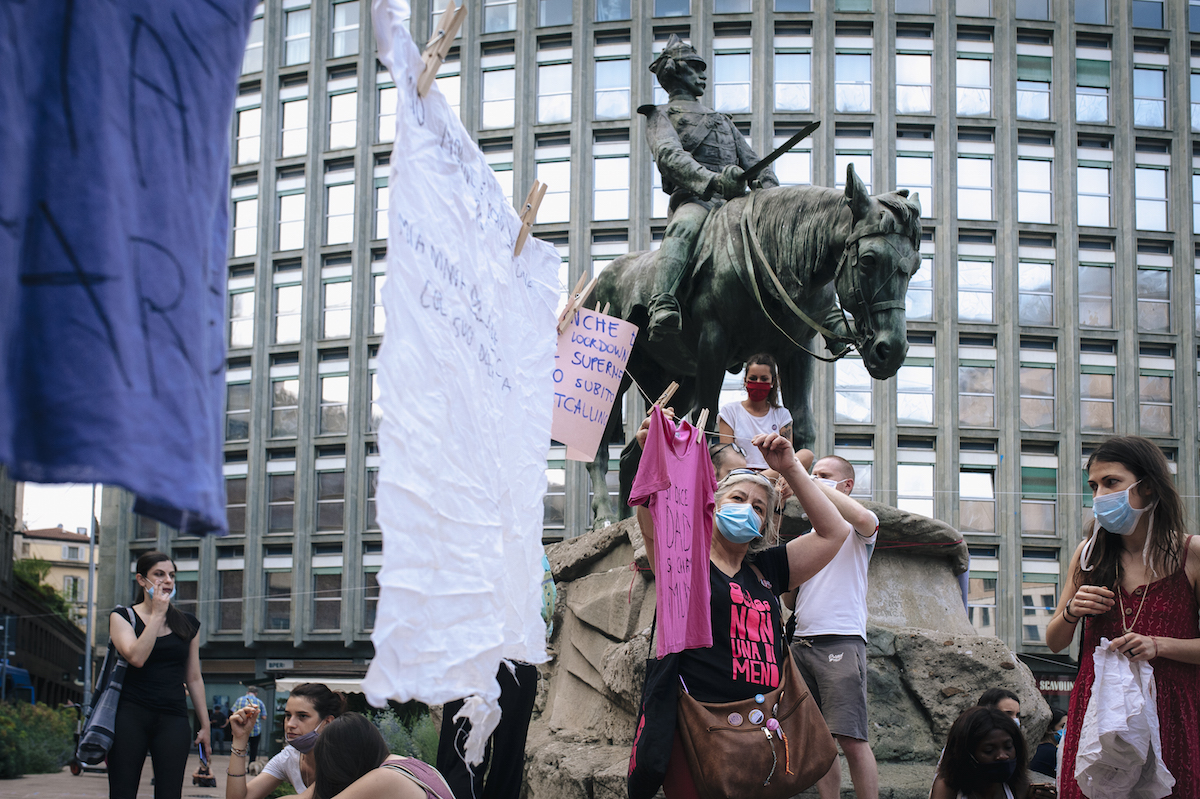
[(1120, 751)]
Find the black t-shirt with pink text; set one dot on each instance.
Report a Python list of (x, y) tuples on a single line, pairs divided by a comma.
[(747, 631)]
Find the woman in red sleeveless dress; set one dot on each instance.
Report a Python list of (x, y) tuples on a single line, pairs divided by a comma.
[(1135, 581)]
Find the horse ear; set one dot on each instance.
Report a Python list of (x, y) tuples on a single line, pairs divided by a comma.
[(856, 194), (915, 202)]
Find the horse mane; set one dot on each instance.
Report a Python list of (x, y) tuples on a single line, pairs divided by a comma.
[(906, 216), (806, 219)]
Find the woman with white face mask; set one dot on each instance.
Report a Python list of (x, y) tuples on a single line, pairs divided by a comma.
[(747, 573), (160, 644), (1136, 581), (309, 709)]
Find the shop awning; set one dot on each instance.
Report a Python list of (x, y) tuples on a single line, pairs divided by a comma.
[(347, 685)]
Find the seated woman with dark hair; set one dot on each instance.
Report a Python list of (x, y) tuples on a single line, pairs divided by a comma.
[(352, 761), (985, 758), (1045, 757)]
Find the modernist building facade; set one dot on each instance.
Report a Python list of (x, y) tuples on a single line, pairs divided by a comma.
[(1052, 143)]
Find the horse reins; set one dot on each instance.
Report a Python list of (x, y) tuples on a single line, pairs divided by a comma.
[(753, 247)]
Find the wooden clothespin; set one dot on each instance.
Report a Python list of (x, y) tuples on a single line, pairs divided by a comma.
[(703, 420), (529, 214), (604, 310), (439, 44), (579, 284), (665, 397), (573, 305)]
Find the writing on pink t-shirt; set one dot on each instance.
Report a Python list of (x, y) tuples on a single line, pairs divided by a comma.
[(676, 477)]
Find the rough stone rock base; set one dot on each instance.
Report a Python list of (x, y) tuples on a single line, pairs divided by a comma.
[(564, 766)]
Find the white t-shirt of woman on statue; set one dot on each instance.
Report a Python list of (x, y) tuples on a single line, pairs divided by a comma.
[(761, 412)]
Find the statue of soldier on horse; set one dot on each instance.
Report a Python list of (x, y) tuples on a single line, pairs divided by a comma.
[(746, 266)]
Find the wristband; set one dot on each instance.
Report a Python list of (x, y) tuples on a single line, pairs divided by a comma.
[(227, 774), (237, 752), (1067, 615)]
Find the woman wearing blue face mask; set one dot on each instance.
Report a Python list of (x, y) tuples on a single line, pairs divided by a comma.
[(310, 708), (1045, 758), (746, 576), (1136, 582), (985, 757), (163, 653)]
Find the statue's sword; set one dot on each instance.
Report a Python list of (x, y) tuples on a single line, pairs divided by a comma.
[(753, 172)]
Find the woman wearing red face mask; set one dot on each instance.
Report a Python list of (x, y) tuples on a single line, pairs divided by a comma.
[(739, 422)]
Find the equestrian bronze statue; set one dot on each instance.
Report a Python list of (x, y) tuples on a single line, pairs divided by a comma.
[(746, 266), (703, 160)]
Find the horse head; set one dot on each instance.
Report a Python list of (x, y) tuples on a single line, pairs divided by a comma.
[(881, 254)]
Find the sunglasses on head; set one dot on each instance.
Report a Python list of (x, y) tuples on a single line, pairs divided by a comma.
[(749, 472)]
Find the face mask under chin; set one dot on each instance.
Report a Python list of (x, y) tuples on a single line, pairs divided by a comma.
[(305, 743)]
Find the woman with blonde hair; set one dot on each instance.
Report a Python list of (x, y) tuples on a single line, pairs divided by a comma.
[(747, 573)]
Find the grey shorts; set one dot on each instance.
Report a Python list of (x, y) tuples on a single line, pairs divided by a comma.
[(835, 668)]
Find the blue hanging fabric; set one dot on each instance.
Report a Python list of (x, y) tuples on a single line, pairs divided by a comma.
[(113, 227)]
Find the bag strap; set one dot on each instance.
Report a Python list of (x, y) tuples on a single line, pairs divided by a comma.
[(112, 659), (128, 613), (763, 581), (400, 767)]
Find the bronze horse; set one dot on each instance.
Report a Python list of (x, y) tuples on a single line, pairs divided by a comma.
[(769, 267)]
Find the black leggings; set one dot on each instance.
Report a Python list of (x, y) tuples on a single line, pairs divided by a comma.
[(139, 730)]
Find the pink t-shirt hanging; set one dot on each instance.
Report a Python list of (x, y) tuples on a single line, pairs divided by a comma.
[(676, 476)]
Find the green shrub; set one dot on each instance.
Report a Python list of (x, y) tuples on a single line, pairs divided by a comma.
[(414, 736), (425, 738), (282, 789), (34, 739), (32, 572)]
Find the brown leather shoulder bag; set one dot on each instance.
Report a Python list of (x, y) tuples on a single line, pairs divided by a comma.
[(769, 750)]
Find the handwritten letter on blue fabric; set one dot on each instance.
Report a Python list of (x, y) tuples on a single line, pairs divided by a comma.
[(114, 174)]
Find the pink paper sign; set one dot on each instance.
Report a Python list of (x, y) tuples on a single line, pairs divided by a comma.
[(588, 367)]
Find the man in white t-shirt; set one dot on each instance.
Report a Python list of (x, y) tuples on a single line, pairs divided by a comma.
[(830, 645)]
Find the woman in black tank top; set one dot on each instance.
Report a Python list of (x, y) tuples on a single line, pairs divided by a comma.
[(160, 644)]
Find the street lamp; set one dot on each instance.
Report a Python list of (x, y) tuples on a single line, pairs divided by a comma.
[(87, 645)]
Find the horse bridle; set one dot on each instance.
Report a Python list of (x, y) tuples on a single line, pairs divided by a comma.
[(849, 256)]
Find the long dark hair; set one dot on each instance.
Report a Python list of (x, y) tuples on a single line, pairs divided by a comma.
[(957, 767), (1166, 534), (325, 701), (349, 747), (178, 623), (764, 359)]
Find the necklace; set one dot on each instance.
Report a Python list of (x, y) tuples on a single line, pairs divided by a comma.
[(1121, 603)]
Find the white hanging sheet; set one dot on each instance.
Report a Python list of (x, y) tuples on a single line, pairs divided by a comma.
[(465, 379)]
